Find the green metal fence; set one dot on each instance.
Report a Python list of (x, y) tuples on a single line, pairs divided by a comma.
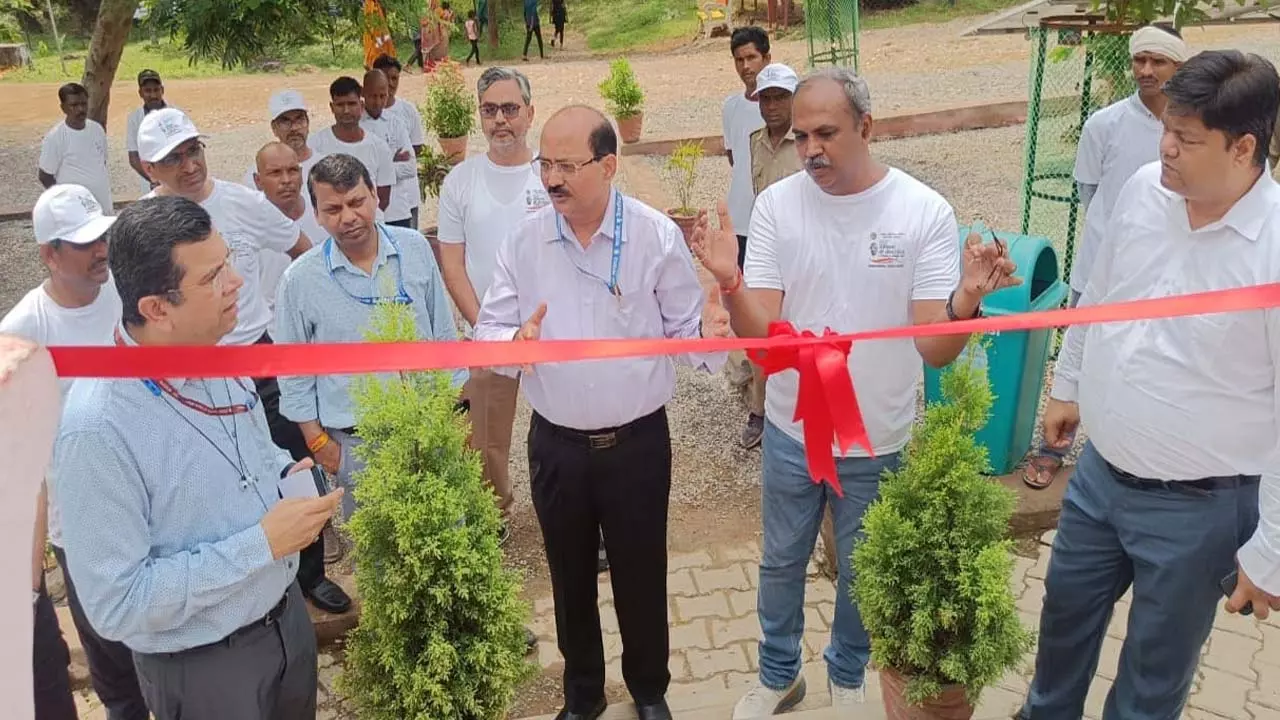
[(832, 30)]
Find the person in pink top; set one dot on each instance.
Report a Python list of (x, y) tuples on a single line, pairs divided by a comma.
[(473, 36)]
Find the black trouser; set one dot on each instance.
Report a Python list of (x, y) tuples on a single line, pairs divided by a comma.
[(417, 53), (742, 251), (288, 436), (49, 660), (530, 32), (110, 662), (579, 489), (475, 52), (558, 34)]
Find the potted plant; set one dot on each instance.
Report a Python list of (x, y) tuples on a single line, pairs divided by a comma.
[(441, 631), (682, 165), (624, 99), (932, 575), (432, 168), (449, 110)]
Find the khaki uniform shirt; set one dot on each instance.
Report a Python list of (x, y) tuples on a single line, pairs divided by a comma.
[(768, 165)]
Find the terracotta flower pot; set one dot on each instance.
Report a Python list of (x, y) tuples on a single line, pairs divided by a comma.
[(629, 127), (952, 704), (455, 148), (685, 222)]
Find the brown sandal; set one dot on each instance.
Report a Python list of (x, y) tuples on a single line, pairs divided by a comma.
[(1041, 471)]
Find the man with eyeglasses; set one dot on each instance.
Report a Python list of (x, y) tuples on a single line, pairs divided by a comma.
[(482, 200), (598, 265), (176, 531)]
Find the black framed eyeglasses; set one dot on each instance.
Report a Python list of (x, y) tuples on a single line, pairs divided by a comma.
[(508, 110)]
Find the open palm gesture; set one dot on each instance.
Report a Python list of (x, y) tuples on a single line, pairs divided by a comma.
[(717, 250)]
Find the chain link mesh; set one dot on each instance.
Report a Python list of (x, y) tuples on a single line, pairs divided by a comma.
[(832, 30)]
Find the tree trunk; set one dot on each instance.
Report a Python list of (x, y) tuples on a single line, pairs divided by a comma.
[(110, 34), (492, 11)]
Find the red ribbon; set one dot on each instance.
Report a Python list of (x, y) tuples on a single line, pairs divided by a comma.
[(826, 404), (845, 419)]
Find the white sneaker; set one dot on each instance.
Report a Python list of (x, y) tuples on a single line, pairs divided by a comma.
[(843, 697), (760, 701)]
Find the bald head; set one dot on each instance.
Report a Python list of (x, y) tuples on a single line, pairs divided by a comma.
[(590, 127), (376, 93), (275, 151), (279, 176), (579, 157)]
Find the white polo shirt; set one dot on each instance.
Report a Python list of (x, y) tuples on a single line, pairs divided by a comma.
[(78, 157), (404, 192), (739, 117), (1115, 142), (853, 263)]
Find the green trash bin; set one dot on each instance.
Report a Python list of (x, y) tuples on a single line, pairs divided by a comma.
[(1015, 361)]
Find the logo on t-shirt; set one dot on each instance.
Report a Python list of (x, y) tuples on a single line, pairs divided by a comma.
[(535, 199), (886, 250)]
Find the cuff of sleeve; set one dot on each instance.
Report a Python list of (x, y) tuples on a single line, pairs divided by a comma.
[(256, 551), (483, 334), (1260, 563), (1065, 390)]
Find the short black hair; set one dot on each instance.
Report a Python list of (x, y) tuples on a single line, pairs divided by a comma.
[(1235, 93), (343, 86), (603, 140), (140, 248), (752, 34), (71, 90), (339, 171), (386, 61)]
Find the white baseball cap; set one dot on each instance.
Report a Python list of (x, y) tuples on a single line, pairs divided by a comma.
[(283, 102), (69, 213), (163, 131), (776, 75)]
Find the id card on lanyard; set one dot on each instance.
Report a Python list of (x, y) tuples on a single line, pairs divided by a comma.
[(616, 260)]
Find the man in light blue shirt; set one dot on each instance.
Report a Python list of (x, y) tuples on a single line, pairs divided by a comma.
[(328, 295), (170, 489)]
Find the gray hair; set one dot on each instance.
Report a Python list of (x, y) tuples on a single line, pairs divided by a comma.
[(495, 75), (854, 86)]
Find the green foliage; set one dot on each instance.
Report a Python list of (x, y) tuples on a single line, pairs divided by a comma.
[(10, 10), (621, 93), (682, 165), (432, 167), (932, 574), (239, 33), (449, 109), (441, 628), (1143, 12)]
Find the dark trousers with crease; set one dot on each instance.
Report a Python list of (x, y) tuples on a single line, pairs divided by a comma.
[(578, 493), (50, 658)]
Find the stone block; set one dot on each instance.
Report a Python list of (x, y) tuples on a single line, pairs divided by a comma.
[(706, 663), (748, 552), (713, 605), (1267, 690), (695, 560), (743, 602), (738, 630), (1233, 653), (733, 577), (608, 618), (1119, 626), (1109, 658), (1040, 569), (681, 583), (997, 704), (813, 620), (827, 611), (819, 591), (692, 634), (1246, 625), (1097, 696), (1221, 693), (678, 667)]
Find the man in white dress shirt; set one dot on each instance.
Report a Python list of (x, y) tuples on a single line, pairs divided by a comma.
[(1181, 412), (482, 200), (408, 114), (598, 265), (851, 244), (1115, 142), (74, 152), (346, 136), (151, 90), (405, 193)]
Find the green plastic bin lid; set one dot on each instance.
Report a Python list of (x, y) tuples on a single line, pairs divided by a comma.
[(1037, 261)]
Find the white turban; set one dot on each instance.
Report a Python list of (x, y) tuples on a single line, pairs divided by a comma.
[(1154, 40)]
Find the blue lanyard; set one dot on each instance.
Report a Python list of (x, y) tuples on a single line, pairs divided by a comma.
[(401, 298), (617, 242)]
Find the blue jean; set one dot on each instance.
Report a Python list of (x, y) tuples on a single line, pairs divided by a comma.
[(1173, 546), (792, 508)]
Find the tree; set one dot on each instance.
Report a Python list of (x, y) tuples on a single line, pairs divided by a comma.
[(110, 33)]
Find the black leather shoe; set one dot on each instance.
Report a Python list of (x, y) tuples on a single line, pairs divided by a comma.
[(657, 711), (327, 596), (595, 712)]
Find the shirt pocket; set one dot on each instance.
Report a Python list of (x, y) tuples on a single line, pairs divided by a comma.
[(624, 315)]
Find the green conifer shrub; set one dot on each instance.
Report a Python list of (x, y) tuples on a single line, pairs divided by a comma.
[(441, 628), (933, 572)]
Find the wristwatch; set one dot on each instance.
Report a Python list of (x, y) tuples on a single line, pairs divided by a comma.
[(951, 310)]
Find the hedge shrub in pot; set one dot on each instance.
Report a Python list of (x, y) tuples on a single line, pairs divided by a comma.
[(624, 99), (449, 110)]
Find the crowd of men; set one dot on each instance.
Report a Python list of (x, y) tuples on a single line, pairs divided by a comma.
[(190, 516)]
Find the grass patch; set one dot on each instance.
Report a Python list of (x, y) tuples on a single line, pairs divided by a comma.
[(612, 26), (932, 11)]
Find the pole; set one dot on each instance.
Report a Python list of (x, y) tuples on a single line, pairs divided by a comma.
[(57, 39)]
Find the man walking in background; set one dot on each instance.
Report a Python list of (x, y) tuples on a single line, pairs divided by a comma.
[(347, 136), (1115, 142), (388, 128), (151, 90), (739, 117), (74, 152), (532, 28)]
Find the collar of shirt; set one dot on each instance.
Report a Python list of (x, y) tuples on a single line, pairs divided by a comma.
[(1247, 217), (385, 251), (761, 136), (127, 340), (1141, 108), (606, 223)]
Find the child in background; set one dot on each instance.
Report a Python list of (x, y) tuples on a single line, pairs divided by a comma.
[(473, 35)]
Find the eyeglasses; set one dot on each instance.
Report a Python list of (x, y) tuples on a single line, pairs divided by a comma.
[(508, 110), (176, 158), (218, 283), (566, 168)]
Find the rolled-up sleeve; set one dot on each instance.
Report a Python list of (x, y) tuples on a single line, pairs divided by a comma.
[(681, 298), (499, 318)]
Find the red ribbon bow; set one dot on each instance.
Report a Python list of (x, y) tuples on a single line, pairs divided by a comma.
[(826, 405)]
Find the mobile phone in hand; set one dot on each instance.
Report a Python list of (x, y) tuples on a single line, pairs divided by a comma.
[(1228, 586)]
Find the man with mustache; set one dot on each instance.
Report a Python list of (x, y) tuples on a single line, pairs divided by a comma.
[(405, 193), (597, 264), (740, 117), (76, 305), (151, 90), (851, 244), (1115, 142), (176, 532), (75, 151)]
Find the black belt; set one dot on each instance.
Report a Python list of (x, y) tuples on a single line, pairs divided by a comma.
[(1203, 485), (268, 620), (605, 438)]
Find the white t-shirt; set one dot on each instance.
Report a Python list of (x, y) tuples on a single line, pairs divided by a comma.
[(1115, 142), (272, 264), (372, 151), (853, 263), (411, 118), (79, 157), (131, 138), (739, 118), (480, 203), (38, 318), (249, 224), (404, 194)]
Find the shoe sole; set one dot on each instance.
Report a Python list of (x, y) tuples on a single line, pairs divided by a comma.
[(792, 699)]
